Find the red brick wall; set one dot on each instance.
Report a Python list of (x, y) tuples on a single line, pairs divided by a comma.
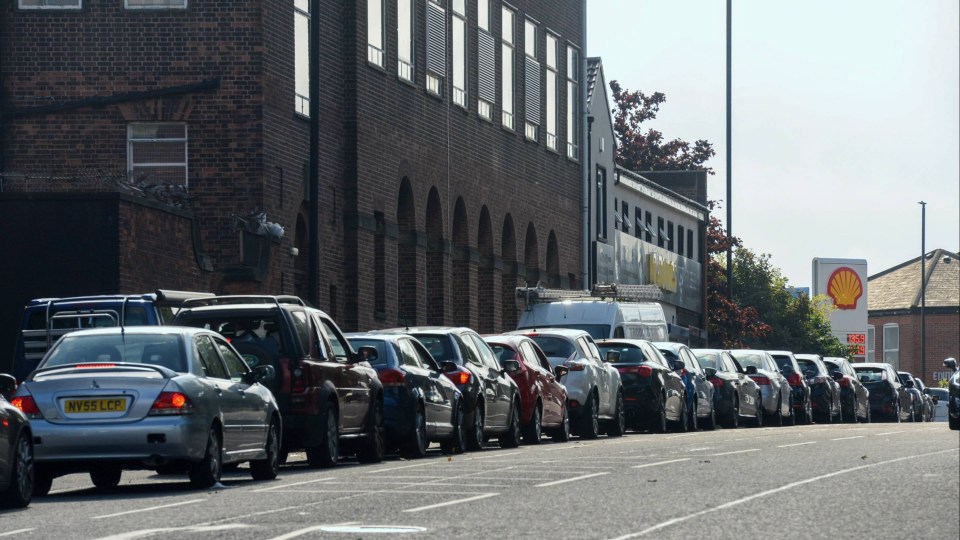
[(942, 341)]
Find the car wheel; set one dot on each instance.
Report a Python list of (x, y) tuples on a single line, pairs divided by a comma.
[(734, 421), (954, 423), (106, 477), (850, 416), (42, 482), (618, 426), (758, 421), (475, 435), (710, 423), (457, 443), (511, 439), (590, 422), (373, 449), (659, 422), (533, 432), (867, 419), (792, 418), (562, 434), (778, 417), (20, 490), (682, 424), (327, 453), (269, 467), (206, 472), (416, 447), (692, 424), (896, 413)]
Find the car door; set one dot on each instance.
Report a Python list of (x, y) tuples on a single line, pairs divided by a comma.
[(598, 372), (436, 405), (253, 409), (502, 383), (536, 361), (355, 377), (673, 385), (746, 387), (444, 393), (225, 395), (702, 386)]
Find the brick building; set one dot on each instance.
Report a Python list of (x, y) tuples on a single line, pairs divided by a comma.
[(165, 143), (894, 330)]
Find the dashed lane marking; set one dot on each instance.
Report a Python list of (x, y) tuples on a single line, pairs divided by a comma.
[(848, 438), (450, 503), (659, 463), (736, 452), (150, 509), (285, 486), (796, 444), (574, 479)]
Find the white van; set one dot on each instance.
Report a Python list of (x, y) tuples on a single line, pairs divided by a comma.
[(601, 318)]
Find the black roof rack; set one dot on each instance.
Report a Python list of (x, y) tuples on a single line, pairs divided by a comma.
[(228, 300)]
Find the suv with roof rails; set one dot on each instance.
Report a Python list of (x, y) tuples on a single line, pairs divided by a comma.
[(330, 398)]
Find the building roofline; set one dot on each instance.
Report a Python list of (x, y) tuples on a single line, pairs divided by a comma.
[(637, 177)]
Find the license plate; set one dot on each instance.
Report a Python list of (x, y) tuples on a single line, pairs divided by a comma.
[(109, 405)]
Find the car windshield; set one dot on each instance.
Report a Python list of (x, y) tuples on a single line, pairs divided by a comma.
[(380, 359), (783, 362), (939, 392), (707, 361), (870, 375), (809, 367), (832, 366), (554, 348), (748, 359), (162, 350), (502, 352), (596, 331), (439, 346), (628, 353)]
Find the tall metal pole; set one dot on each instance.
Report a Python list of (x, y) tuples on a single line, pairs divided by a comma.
[(729, 166), (923, 289)]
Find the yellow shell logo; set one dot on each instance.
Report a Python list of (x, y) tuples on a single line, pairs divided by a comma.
[(845, 287)]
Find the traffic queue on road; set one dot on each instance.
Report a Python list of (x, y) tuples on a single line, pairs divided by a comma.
[(251, 379)]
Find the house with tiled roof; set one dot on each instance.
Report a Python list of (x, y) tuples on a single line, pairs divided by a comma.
[(896, 328)]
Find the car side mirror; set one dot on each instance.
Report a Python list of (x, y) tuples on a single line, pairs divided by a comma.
[(613, 356), (265, 373), (448, 367), (710, 372), (366, 354), (908, 383), (837, 375), (509, 366), (950, 363), (678, 365), (751, 370), (7, 385), (560, 371), (936, 399)]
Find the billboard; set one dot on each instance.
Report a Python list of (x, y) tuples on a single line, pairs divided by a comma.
[(844, 281)]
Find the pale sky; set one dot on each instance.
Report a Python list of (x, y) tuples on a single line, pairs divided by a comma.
[(845, 114)]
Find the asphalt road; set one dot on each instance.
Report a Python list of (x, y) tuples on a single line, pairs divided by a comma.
[(820, 481)]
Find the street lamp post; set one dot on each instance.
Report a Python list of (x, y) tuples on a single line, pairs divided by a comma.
[(923, 288)]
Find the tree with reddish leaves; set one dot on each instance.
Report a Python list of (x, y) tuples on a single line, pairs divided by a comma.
[(648, 151)]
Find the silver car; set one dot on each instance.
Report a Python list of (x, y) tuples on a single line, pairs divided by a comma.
[(171, 399), (775, 393), (594, 390)]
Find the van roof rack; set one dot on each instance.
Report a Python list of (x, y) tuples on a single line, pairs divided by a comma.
[(242, 299), (600, 291)]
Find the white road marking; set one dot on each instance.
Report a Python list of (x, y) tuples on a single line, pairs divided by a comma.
[(889, 433), (567, 447), (785, 487), (284, 486), (450, 503), (682, 435), (427, 464), (301, 532), (736, 452), (18, 531), (659, 463), (848, 438), (150, 509), (492, 456), (574, 479), (796, 444), (143, 533)]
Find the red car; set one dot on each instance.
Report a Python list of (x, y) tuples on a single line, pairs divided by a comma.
[(543, 399)]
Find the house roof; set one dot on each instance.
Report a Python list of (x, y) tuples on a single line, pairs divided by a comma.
[(594, 68), (898, 288)]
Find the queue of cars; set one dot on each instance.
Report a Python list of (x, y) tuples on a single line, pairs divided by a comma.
[(250, 379)]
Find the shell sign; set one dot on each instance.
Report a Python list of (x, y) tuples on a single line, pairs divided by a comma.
[(845, 288)]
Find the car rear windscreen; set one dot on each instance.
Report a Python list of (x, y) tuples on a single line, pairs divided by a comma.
[(749, 359), (707, 360), (158, 350), (596, 331), (628, 353), (380, 345), (554, 347)]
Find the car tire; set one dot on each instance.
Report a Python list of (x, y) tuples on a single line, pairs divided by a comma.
[(562, 434), (682, 424), (618, 426), (269, 467), (374, 447), (533, 432), (475, 433), (954, 423), (758, 420), (896, 413), (710, 423), (206, 472), (106, 477), (457, 443), (511, 438), (22, 478), (416, 446), (777, 419), (590, 421), (792, 419), (734, 421), (327, 453), (42, 482)]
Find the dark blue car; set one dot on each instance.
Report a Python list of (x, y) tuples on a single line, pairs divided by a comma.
[(700, 399)]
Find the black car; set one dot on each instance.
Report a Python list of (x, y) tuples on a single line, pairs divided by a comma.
[(824, 390), (888, 396), (802, 411), (490, 396), (916, 396), (330, 397), (653, 393), (420, 404), (929, 405), (16, 450), (736, 395), (854, 396), (700, 402), (953, 401)]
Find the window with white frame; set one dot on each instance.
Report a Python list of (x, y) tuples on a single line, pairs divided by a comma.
[(458, 42), (891, 344), (155, 4), (301, 56), (157, 152), (436, 46), (531, 92), (551, 54), (507, 36), (871, 343), (375, 32), (486, 62), (573, 102), (51, 4), (405, 39)]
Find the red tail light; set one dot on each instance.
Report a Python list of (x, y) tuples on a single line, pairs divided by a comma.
[(844, 382), (298, 381), (171, 403), (717, 382), (459, 377), (27, 406), (392, 377), (795, 379), (576, 365), (760, 379), (95, 366), (642, 371)]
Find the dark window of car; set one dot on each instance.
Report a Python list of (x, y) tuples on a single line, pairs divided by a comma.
[(380, 345), (425, 359), (808, 367), (341, 349), (486, 354), (708, 360), (669, 356), (408, 355), (531, 358), (473, 355), (783, 362), (440, 347), (871, 374), (691, 361), (209, 359), (554, 347), (628, 353), (301, 327), (749, 359), (732, 364), (236, 368), (654, 355), (503, 352)]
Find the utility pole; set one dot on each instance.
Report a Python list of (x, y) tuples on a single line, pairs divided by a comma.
[(729, 165), (923, 288)]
